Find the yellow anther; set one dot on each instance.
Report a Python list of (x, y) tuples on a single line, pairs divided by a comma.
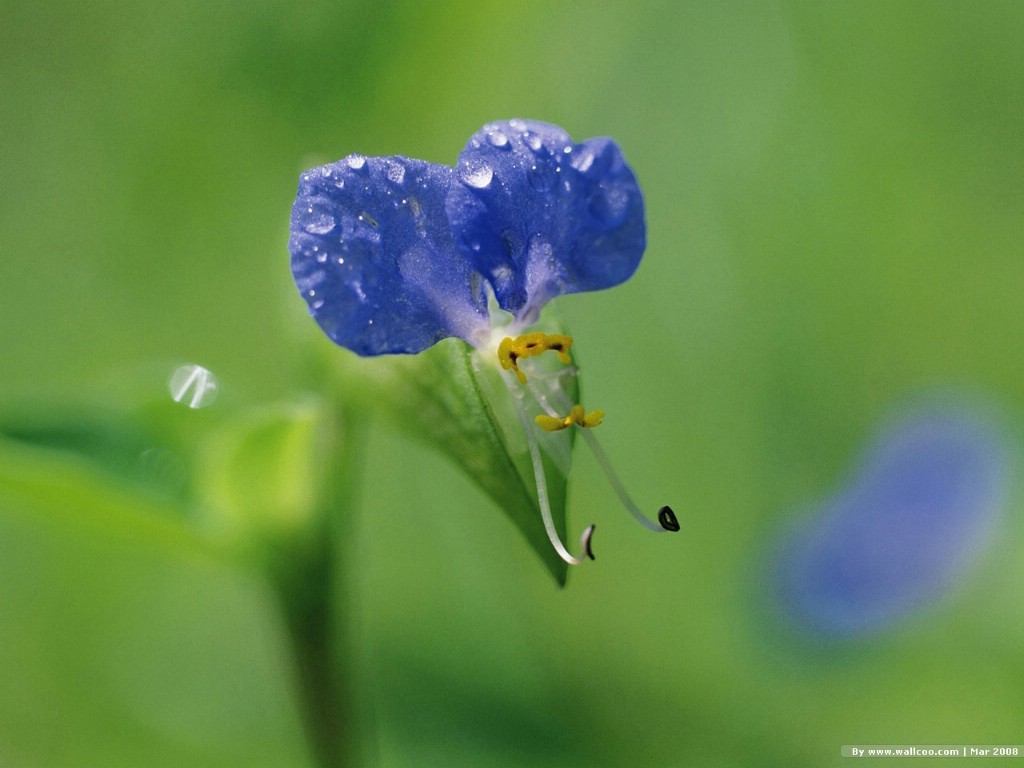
[(576, 416), (511, 351)]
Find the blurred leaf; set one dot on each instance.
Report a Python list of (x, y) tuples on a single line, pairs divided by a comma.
[(449, 399), (124, 630), (266, 470)]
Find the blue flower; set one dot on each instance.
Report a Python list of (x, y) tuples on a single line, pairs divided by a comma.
[(393, 254), (919, 513)]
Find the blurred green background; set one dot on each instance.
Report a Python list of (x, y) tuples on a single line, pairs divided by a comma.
[(835, 199)]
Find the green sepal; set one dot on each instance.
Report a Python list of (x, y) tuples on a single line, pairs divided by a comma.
[(459, 401)]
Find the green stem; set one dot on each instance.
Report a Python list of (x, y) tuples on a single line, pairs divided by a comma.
[(311, 585), (312, 627)]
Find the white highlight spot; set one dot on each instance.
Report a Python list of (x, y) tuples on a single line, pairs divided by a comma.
[(193, 385)]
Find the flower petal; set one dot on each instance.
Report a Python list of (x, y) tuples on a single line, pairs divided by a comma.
[(920, 512), (373, 256), (540, 216)]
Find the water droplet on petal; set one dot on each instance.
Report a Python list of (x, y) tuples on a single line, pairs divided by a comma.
[(356, 163), (583, 160), (193, 385), (498, 139), (396, 173), (533, 140), (477, 175), (415, 266), (501, 275), (306, 283), (319, 223)]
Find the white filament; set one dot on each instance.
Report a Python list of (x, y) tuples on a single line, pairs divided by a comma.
[(596, 449), (542, 486)]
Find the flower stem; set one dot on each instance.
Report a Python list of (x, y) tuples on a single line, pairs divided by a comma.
[(310, 583), (309, 613)]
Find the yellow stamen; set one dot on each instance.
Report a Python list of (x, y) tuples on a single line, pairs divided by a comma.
[(576, 416), (511, 351)]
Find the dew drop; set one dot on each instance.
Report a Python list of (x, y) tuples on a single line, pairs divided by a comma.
[(193, 385), (325, 171), (533, 140), (478, 175), (356, 163), (582, 161), (498, 139), (319, 223), (415, 265), (396, 173)]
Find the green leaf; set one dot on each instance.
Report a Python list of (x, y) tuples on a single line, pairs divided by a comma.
[(454, 399), (265, 471), (122, 625)]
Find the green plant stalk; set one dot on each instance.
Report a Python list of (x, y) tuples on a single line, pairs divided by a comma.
[(310, 583)]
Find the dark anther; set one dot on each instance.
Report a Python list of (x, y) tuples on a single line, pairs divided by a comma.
[(667, 518), (587, 535)]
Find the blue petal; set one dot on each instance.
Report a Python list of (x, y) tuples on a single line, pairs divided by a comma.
[(540, 216), (373, 256), (919, 513)]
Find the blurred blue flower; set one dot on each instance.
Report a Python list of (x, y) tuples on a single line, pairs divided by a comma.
[(915, 517), (393, 254)]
